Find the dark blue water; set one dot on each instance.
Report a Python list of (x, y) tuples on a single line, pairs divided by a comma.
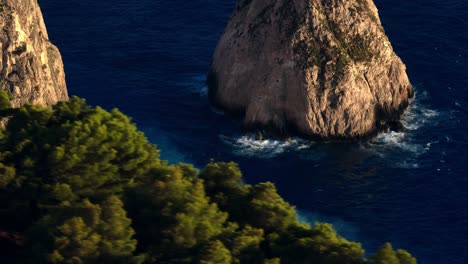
[(149, 58)]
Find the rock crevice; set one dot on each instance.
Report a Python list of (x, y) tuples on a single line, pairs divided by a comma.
[(31, 67), (318, 68)]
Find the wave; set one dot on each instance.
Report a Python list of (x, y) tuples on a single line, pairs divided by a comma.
[(416, 117), (394, 140), (417, 114), (268, 148), (390, 146)]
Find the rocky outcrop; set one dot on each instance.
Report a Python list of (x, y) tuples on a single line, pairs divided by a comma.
[(31, 68), (320, 68)]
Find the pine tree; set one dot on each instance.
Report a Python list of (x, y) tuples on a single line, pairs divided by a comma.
[(94, 152), (246, 245), (115, 230), (216, 253), (5, 102), (174, 213), (385, 255), (405, 257), (223, 184), (75, 242), (268, 210), (85, 233), (7, 175)]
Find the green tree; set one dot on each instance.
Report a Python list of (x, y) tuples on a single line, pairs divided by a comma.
[(67, 153), (268, 210), (386, 255), (173, 212), (103, 143), (72, 144), (224, 185), (301, 244), (84, 233), (7, 175), (75, 242), (5, 105), (405, 257), (115, 229), (5, 102), (216, 253), (66, 235), (246, 245), (222, 177)]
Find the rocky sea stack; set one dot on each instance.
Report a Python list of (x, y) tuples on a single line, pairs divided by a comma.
[(31, 68), (318, 68)]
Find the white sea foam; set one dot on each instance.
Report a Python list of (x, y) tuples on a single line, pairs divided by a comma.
[(267, 148), (394, 140), (429, 144), (416, 117), (417, 114), (384, 146)]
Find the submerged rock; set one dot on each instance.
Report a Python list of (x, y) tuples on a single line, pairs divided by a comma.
[(31, 67), (317, 68)]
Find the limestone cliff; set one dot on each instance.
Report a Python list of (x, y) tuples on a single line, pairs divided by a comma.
[(320, 68), (31, 67)]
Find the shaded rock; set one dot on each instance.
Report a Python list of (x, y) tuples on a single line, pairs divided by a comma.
[(31, 67), (317, 68)]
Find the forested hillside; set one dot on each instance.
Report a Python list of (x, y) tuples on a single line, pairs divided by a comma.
[(80, 184)]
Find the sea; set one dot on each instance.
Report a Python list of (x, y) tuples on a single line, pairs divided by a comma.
[(149, 58)]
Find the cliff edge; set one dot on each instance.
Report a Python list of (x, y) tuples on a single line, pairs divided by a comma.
[(322, 69), (31, 68)]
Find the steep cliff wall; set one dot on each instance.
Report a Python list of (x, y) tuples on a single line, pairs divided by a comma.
[(319, 68), (31, 67)]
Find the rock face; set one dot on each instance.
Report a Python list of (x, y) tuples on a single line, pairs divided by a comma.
[(318, 68), (31, 68)]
